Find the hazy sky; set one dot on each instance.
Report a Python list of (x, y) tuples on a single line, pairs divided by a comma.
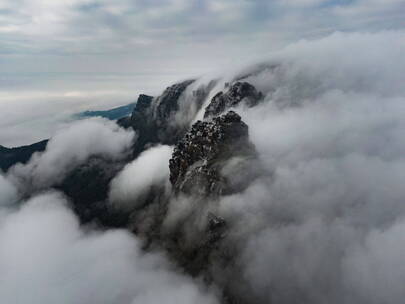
[(99, 53)]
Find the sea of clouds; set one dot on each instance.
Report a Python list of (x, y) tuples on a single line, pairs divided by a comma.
[(324, 224)]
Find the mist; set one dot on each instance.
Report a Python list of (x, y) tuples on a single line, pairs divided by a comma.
[(129, 187), (8, 192), (69, 148), (325, 224), (46, 257)]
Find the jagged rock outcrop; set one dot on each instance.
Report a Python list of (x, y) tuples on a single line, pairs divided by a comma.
[(166, 118), (200, 160), (142, 123), (140, 114), (152, 117), (167, 104), (164, 109), (238, 93)]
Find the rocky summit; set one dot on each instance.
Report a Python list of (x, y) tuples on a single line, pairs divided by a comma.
[(199, 160), (240, 93)]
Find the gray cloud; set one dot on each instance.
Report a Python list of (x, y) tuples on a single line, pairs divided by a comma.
[(8, 192), (150, 22), (142, 32), (45, 253), (330, 132)]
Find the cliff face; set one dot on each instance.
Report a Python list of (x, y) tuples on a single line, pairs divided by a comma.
[(152, 117), (140, 121), (167, 104)]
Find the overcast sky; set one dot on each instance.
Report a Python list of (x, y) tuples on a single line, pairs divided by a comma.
[(159, 37), (107, 51)]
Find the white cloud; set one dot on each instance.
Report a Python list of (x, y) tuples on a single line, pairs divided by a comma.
[(330, 134), (151, 168), (8, 193), (45, 257)]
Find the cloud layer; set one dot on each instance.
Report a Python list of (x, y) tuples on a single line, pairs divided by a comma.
[(70, 148), (8, 192), (45, 254), (326, 224)]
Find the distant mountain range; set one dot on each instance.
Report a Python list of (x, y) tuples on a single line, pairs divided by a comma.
[(113, 114)]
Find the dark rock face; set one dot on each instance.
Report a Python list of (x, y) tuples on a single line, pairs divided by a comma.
[(216, 228), (239, 93), (198, 160), (139, 114), (164, 109), (142, 104), (202, 92), (167, 104), (87, 187), (152, 118), (140, 121), (10, 156)]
